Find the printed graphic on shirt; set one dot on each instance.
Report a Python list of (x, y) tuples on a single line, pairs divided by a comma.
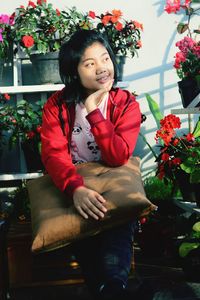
[(77, 129), (83, 145)]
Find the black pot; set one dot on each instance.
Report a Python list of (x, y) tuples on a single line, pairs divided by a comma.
[(120, 65), (45, 67), (189, 191), (188, 89), (32, 156)]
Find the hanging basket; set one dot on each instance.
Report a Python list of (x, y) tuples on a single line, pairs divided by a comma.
[(45, 67), (189, 88)]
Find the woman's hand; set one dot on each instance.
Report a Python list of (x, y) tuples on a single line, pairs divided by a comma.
[(89, 203), (95, 98)]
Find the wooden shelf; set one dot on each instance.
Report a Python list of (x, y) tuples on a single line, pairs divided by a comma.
[(19, 176), (30, 88), (21, 89)]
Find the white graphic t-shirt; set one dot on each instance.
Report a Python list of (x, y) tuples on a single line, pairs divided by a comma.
[(83, 145)]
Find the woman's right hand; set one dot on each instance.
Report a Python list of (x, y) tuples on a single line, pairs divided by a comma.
[(89, 203)]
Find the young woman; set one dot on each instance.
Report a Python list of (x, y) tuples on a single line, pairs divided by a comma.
[(91, 120)]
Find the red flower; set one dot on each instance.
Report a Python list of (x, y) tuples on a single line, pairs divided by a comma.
[(176, 161), (57, 12), (39, 2), (106, 19), (39, 128), (190, 137), (171, 121), (30, 134), (138, 25), (165, 157), (92, 14), (176, 142), (7, 97), (119, 26), (30, 3), (27, 41), (139, 44)]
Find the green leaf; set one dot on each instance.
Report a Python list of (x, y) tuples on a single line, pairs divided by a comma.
[(196, 227), (196, 131), (195, 176), (186, 247), (155, 110), (181, 28)]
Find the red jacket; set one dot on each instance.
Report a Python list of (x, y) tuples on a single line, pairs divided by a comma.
[(116, 136)]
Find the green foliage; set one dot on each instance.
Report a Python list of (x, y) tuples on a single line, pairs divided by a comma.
[(191, 242), (23, 121), (154, 108), (46, 25), (156, 190), (21, 202)]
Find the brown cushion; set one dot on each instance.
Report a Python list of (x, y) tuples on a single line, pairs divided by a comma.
[(56, 222)]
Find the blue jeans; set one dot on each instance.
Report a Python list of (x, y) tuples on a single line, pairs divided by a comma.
[(106, 256)]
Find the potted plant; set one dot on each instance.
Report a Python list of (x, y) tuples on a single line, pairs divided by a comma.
[(179, 157), (187, 59), (123, 35), (158, 230), (23, 123), (6, 23), (39, 31)]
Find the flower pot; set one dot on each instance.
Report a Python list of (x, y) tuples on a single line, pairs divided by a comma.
[(32, 156), (120, 63), (189, 191), (45, 67), (188, 89)]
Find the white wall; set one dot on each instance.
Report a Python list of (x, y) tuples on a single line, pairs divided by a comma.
[(152, 72)]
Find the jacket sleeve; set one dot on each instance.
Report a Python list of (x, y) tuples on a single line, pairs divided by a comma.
[(117, 139), (54, 151)]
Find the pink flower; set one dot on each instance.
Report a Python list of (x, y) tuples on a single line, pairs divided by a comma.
[(172, 6), (4, 19), (1, 36)]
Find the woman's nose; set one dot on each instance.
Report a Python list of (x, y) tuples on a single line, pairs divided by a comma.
[(100, 70)]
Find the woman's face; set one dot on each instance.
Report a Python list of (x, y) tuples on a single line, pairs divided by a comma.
[(95, 68)]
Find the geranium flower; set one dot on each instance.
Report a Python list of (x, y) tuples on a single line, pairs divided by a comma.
[(123, 35), (27, 41), (177, 151)]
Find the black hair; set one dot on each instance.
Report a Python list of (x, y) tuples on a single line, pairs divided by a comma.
[(70, 54)]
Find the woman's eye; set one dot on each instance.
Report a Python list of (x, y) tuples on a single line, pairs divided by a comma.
[(89, 64), (106, 58)]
